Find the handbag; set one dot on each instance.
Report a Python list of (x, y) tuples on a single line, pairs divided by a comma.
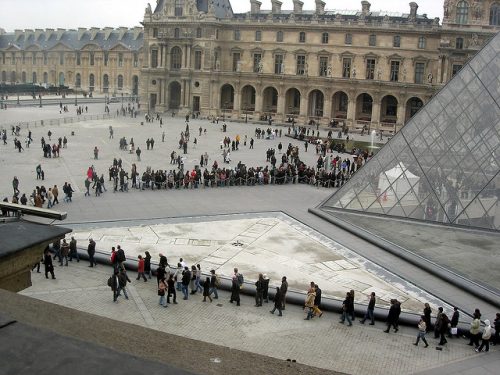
[(454, 330)]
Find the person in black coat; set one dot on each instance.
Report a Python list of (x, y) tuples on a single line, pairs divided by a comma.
[(206, 290), (47, 261), (147, 264), (91, 252), (235, 291), (265, 292), (277, 302), (393, 316)]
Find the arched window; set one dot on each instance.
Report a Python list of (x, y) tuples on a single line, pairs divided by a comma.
[(91, 82), (495, 14), (23, 77), (13, 77), (120, 82), (33, 77), (4, 76), (462, 12), (175, 58), (105, 83), (45, 77), (78, 80)]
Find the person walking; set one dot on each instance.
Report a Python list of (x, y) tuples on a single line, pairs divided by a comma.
[(162, 289), (454, 323), (96, 153), (192, 283), (283, 290), (235, 289), (443, 329), (47, 262), (422, 330), (73, 252), (427, 316), (265, 291), (186, 279), (309, 304), (486, 336), (214, 284), (206, 290), (198, 279), (55, 192), (393, 316), (277, 302), (114, 283), (474, 330), (259, 290), (147, 264), (317, 300), (91, 252), (369, 314), (122, 283), (138, 153), (64, 252), (140, 268), (346, 308), (171, 289)]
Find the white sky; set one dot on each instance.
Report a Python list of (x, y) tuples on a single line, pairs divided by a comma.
[(67, 14)]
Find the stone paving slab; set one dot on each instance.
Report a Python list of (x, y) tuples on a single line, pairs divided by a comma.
[(321, 342), (281, 247)]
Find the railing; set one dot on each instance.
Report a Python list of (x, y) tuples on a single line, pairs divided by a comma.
[(58, 121)]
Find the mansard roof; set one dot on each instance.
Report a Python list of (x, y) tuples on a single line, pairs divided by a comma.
[(222, 8), (105, 39)]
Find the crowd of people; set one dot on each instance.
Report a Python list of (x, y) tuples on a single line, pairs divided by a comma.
[(190, 280)]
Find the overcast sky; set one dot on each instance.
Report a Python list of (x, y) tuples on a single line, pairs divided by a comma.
[(31, 14)]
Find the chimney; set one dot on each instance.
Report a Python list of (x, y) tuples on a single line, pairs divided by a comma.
[(38, 33), (276, 6), (93, 32), (107, 32), (60, 33), (413, 10), (297, 6), (365, 8), (137, 32), (123, 30), (81, 31), (255, 6), (320, 7), (18, 33)]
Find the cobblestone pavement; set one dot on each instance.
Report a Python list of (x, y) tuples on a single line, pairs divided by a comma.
[(321, 342)]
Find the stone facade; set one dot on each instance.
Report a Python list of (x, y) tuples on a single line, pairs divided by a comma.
[(89, 60), (363, 68)]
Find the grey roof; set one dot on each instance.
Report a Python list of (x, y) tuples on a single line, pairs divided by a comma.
[(105, 39), (19, 235), (223, 8)]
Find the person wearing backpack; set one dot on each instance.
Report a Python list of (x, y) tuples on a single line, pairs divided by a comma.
[(120, 257)]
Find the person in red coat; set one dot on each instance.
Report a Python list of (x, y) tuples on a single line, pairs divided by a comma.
[(140, 269)]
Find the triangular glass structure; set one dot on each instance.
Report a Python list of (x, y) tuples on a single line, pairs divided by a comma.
[(443, 166)]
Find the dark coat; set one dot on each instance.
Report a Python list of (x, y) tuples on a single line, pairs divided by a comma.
[(91, 248)]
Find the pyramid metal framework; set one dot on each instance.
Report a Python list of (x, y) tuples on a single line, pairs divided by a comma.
[(443, 165)]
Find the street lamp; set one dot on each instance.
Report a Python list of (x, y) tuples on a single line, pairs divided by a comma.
[(17, 90)]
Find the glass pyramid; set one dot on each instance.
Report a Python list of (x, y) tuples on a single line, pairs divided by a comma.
[(443, 166)]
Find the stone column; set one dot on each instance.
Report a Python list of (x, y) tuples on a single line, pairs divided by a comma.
[(401, 114), (375, 113), (351, 112), (327, 107)]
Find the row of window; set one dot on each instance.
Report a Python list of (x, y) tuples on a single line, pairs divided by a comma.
[(325, 37), (77, 57), (464, 9), (78, 79)]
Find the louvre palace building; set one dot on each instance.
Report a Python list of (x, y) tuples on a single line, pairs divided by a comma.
[(360, 67)]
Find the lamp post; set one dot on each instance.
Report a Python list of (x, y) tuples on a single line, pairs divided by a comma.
[(17, 90), (76, 97)]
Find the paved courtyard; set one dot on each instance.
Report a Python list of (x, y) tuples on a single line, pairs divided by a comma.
[(324, 342), (278, 238)]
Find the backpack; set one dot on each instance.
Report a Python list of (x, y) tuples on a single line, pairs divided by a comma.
[(240, 279)]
